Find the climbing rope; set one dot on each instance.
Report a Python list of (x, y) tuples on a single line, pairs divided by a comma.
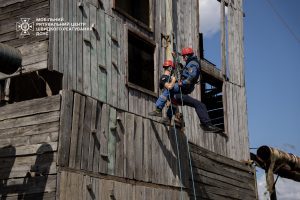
[(187, 143), (177, 146)]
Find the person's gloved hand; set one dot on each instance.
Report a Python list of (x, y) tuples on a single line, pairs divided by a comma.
[(180, 83)]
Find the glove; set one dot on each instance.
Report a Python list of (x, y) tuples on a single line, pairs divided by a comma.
[(180, 83)]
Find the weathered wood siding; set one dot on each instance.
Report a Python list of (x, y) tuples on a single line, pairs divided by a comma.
[(93, 62), (34, 49), (96, 62), (28, 143), (105, 151), (99, 138), (87, 186), (235, 88), (218, 177)]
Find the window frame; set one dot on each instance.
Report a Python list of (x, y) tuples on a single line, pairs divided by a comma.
[(141, 24), (155, 72)]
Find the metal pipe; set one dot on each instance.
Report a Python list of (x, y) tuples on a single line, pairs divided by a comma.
[(10, 59)]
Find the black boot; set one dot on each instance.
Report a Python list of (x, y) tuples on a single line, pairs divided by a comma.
[(166, 121), (157, 112), (210, 128)]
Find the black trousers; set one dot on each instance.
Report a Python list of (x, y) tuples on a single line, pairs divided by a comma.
[(200, 107)]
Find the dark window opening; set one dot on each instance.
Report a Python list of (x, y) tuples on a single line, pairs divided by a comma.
[(138, 9), (212, 97), (140, 62), (30, 86)]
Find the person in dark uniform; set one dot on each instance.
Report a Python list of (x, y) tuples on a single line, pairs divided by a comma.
[(178, 91)]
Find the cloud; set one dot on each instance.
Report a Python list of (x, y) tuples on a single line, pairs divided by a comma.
[(209, 17), (285, 189)]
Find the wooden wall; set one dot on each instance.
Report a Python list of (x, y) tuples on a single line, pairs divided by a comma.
[(97, 137), (84, 186), (95, 63), (104, 150), (28, 143), (235, 87), (218, 177), (34, 49)]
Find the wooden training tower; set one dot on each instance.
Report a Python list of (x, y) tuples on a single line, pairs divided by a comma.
[(74, 119)]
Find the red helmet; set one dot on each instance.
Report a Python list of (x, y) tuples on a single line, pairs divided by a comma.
[(187, 51), (168, 63)]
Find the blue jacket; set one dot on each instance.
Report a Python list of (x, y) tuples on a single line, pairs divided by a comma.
[(190, 73)]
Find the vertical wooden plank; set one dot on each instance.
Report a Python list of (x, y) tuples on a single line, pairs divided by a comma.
[(94, 33), (87, 52), (51, 44), (147, 158), (138, 147), (108, 20), (114, 61), (92, 135), (86, 133), (75, 128), (130, 158), (71, 50), (121, 63), (74, 47), (65, 128), (66, 46), (80, 133), (104, 138), (112, 141), (101, 55), (155, 152), (79, 52), (61, 40), (97, 138), (63, 182), (106, 189), (140, 192), (120, 139)]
